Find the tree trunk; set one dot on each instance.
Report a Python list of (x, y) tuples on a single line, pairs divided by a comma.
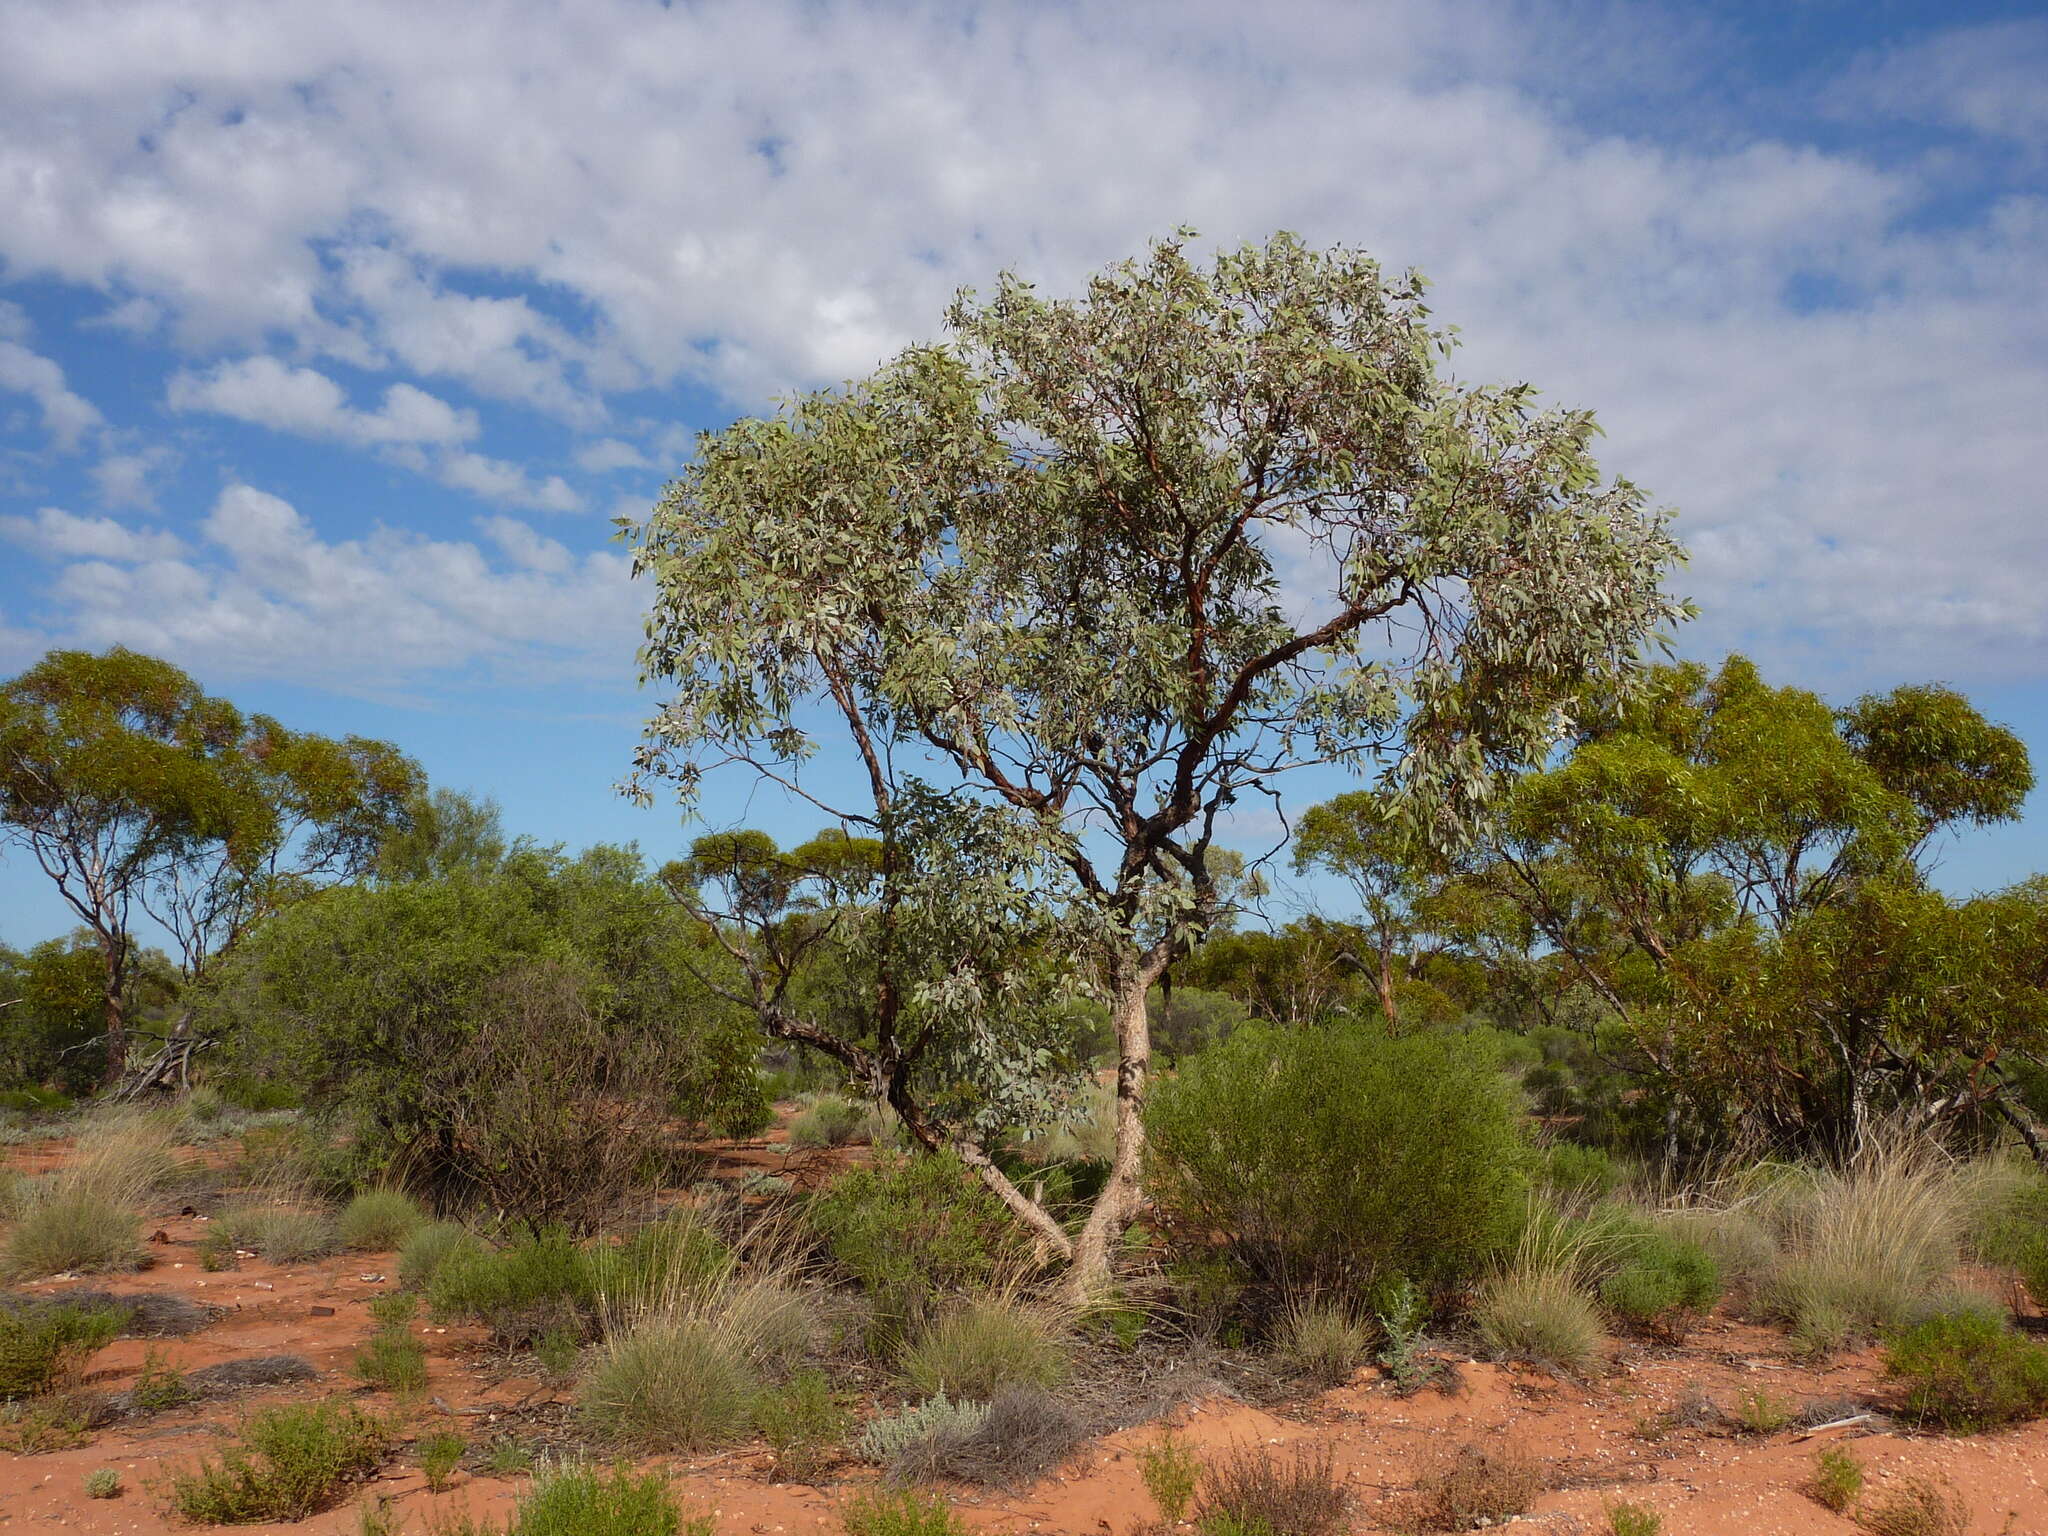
[(114, 956), (1049, 1235), (1117, 1206)]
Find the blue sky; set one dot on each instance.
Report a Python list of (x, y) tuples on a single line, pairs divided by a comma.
[(332, 338)]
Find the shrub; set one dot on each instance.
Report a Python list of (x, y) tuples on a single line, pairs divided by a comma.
[(1402, 1311), (428, 1247), (281, 1232), (1323, 1340), (1249, 1489), (1415, 1168), (983, 1344), (664, 1386), (393, 1360), (887, 1438), (1540, 1313), (1837, 1480), (1579, 1172), (1917, 1506), (830, 1121), (1759, 1413), (1024, 1434), (664, 1264), (1965, 1372), (1662, 1284), (1626, 1519), (1171, 1472), (159, 1385), (293, 1462), (439, 1455), (2012, 1227), (899, 1512), (804, 1423), (379, 1220), (71, 1230), (520, 1292), (578, 1501), (44, 1345), (103, 1483), (1477, 1485), (910, 1229)]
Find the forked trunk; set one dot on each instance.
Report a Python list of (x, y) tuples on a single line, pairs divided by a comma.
[(1089, 1277)]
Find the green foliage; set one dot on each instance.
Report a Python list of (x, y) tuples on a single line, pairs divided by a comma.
[(159, 1385), (293, 1462), (1172, 1472), (1757, 1412), (393, 1361), (378, 1220), (282, 1232), (428, 1247), (910, 1230), (1837, 1480), (1540, 1313), (439, 1454), (887, 1437), (805, 1423), (103, 1483), (983, 1344), (1414, 1168), (900, 1512), (580, 1501), (1966, 1372), (829, 1122), (665, 1386), (1324, 1340), (1403, 1311), (1663, 1282), (1575, 1171), (1626, 1519), (52, 1006), (521, 1291), (44, 1344), (75, 1231)]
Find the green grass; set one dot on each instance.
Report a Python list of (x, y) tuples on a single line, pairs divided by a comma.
[(1540, 1313), (900, 1512), (427, 1247), (669, 1386), (378, 1220), (805, 1424), (76, 1231), (986, 1344), (281, 1232), (1323, 1340), (439, 1454), (1837, 1480), (43, 1347), (293, 1462), (392, 1361), (580, 1501)]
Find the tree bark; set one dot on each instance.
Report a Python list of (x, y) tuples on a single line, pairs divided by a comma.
[(1089, 1276), (114, 958)]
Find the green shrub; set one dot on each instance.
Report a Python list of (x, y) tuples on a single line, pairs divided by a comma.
[(281, 1232), (829, 1122), (910, 1229), (1579, 1172), (393, 1360), (1837, 1480), (44, 1345), (439, 1455), (1662, 1283), (1324, 1340), (885, 1440), (379, 1220), (159, 1385), (521, 1292), (103, 1483), (426, 1248), (1541, 1314), (1403, 1312), (1965, 1372), (578, 1501), (1757, 1412), (663, 1264), (1414, 1167), (805, 1423), (900, 1512), (76, 1231), (667, 1386), (1250, 1490), (983, 1344), (293, 1462), (1625, 1519), (1172, 1472)]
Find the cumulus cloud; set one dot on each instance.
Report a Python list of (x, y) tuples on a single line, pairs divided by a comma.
[(59, 534), (66, 417), (130, 478), (1838, 387), (608, 454), (267, 595)]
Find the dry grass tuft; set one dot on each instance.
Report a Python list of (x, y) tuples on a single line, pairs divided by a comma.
[(1477, 1485)]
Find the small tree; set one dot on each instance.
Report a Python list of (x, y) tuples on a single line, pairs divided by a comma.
[(1113, 563)]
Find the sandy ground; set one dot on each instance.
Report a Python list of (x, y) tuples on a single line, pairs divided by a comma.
[(1600, 1441)]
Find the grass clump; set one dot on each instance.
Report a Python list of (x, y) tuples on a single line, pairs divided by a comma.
[(683, 1384), (1323, 1340), (1625, 1519), (531, 1287), (1539, 1312), (159, 1385), (394, 1359), (805, 1424), (280, 1231), (428, 1246), (45, 1346), (293, 1462), (1917, 1506), (579, 1501), (1837, 1480), (1477, 1485), (1253, 1492), (899, 1512), (829, 1121), (988, 1343), (1965, 1372), (70, 1231), (1663, 1284), (103, 1483), (1172, 1472), (1757, 1412), (378, 1220), (439, 1455)]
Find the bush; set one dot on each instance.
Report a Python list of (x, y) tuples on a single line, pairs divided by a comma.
[(281, 1232), (1413, 1168), (1477, 1485), (439, 1455), (982, 1345), (577, 1501), (379, 1220), (71, 1231), (910, 1229), (804, 1423), (531, 1287), (900, 1512), (1024, 1434), (829, 1122), (293, 1462), (1578, 1172), (1626, 1519), (393, 1360), (888, 1438), (1965, 1372), (427, 1247), (670, 1386), (159, 1385), (1539, 1313), (1250, 1490), (1323, 1340), (44, 1345), (103, 1483), (1172, 1472), (1918, 1506), (1837, 1480), (1662, 1284)]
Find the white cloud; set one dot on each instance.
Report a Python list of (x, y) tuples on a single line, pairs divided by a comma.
[(304, 401), (1990, 79), (500, 481), (269, 596), (66, 417), (608, 454), (130, 479), (14, 323), (66, 535)]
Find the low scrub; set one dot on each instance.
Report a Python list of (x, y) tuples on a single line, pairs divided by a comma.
[(65, 1230), (1325, 1341), (379, 1220), (281, 1231), (293, 1462), (1662, 1285), (986, 1344), (44, 1346), (1836, 1481), (1252, 1491), (682, 1385), (1539, 1312), (1917, 1506), (1477, 1485), (531, 1287), (580, 1501), (805, 1424), (428, 1247), (886, 1439), (1023, 1435), (1172, 1473), (1965, 1372), (829, 1121), (900, 1512)]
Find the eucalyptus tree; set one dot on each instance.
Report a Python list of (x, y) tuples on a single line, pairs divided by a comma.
[(131, 787), (1108, 565)]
